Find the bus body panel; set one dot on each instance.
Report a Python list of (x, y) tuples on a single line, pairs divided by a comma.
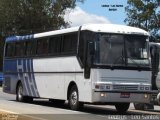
[(120, 81), (50, 76), (110, 97), (20, 69), (55, 74), (38, 77), (57, 65), (10, 83), (122, 76)]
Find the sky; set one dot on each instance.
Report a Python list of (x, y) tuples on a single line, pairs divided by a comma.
[(97, 11)]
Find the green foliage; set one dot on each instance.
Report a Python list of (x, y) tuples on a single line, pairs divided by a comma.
[(144, 14), (31, 16)]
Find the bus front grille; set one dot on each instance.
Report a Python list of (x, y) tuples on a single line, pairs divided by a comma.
[(125, 87)]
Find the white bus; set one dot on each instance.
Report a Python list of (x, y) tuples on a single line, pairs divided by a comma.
[(155, 63), (155, 60), (94, 63)]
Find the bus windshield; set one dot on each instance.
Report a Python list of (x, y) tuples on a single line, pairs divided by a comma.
[(121, 50)]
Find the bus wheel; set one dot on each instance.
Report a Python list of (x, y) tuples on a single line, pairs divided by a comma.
[(74, 99), (143, 106), (19, 94), (139, 106), (122, 107)]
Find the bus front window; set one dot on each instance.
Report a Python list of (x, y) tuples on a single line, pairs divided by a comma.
[(136, 49), (109, 50), (121, 50)]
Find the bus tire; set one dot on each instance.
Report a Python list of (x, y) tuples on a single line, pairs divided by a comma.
[(19, 95), (122, 107), (74, 98), (143, 106), (139, 106)]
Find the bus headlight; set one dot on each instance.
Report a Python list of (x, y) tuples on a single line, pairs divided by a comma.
[(146, 96), (108, 87), (147, 88), (102, 87), (142, 88), (103, 94)]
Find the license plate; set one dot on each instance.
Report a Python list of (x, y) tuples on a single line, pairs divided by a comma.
[(125, 95)]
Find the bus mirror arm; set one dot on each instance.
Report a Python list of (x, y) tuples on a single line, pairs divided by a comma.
[(91, 54), (89, 59), (91, 48), (87, 69)]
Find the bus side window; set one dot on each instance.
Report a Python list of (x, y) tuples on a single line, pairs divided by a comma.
[(42, 47), (69, 43), (30, 48), (84, 37), (19, 49), (55, 45), (10, 47)]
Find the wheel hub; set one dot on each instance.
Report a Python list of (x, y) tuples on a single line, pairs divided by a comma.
[(74, 97), (20, 93)]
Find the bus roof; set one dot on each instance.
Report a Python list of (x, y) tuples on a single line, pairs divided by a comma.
[(107, 28)]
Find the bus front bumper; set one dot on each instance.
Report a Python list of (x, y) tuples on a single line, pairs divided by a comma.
[(104, 97)]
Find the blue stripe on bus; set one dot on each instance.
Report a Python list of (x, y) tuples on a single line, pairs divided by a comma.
[(24, 72), (10, 66), (18, 38), (33, 77)]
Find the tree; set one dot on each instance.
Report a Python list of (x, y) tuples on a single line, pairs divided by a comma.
[(31, 16), (144, 14)]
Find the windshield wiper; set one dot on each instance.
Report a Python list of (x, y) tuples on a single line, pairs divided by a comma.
[(135, 63), (119, 58)]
